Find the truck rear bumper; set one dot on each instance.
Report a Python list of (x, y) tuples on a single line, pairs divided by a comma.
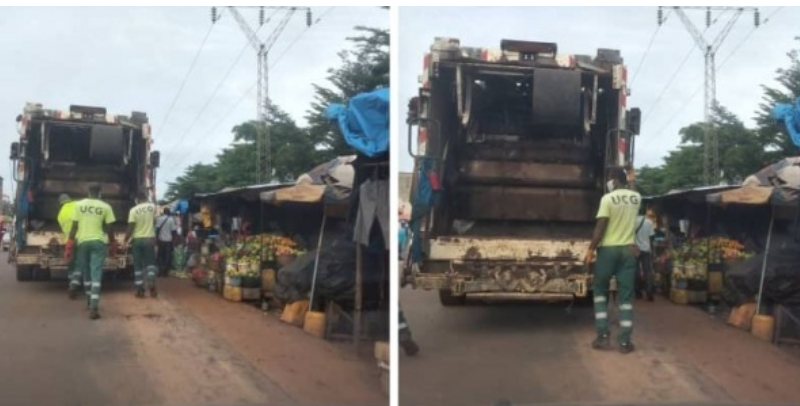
[(504, 287), (506, 268), (54, 263)]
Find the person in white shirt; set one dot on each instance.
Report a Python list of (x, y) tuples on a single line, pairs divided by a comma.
[(645, 230), (167, 236)]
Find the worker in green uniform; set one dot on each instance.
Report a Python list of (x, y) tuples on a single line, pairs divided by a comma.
[(65, 218), (141, 237), (615, 243), (91, 224)]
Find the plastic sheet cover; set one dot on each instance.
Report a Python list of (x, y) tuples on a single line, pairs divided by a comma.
[(364, 121)]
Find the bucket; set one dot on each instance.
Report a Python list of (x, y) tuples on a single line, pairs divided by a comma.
[(315, 324), (763, 327)]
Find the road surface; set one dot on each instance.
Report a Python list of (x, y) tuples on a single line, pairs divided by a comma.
[(478, 355), (187, 347)]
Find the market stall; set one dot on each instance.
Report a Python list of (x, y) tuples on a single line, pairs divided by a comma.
[(739, 244)]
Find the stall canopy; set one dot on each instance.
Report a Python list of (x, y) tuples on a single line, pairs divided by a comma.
[(331, 182), (777, 184), (245, 192)]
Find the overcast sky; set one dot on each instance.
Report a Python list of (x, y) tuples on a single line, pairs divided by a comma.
[(127, 58), (629, 29)]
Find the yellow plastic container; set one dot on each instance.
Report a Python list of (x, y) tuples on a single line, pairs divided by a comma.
[(268, 280), (763, 327), (382, 351), (742, 316), (315, 324), (715, 282), (295, 313), (232, 293)]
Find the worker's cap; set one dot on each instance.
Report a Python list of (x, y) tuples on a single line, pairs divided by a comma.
[(63, 198)]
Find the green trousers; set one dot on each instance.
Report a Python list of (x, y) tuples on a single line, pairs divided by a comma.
[(144, 262), (90, 258), (616, 262), (73, 273)]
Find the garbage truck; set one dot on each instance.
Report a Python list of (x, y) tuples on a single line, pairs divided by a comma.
[(65, 151), (511, 151)]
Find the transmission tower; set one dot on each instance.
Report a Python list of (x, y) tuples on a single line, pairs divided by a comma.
[(711, 174), (263, 106)]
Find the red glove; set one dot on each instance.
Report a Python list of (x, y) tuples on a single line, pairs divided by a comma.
[(69, 249), (113, 247)]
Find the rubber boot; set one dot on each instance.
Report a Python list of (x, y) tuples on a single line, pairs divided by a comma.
[(602, 341), (626, 348), (94, 314), (409, 346)]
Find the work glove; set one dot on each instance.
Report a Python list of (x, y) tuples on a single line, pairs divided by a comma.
[(113, 248), (589, 258), (69, 250)]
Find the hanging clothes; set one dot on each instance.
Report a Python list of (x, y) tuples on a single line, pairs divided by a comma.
[(373, 202)]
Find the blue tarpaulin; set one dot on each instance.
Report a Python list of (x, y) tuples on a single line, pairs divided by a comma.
[(364, 121)]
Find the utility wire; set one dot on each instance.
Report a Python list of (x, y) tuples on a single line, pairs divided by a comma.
[(250, 90), (666, 87), (721, 65), (186, 76), (647, 51)]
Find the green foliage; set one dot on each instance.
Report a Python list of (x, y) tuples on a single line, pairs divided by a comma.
[(770, 133), (364, 68), (295, 150), (742, 151)]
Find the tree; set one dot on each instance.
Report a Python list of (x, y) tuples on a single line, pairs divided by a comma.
[(295, 150), (741, 154), (771, 134), (363, 69), (198, 178)]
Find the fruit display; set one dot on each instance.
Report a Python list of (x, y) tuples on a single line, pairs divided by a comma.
[(244, 258), (709, 250), (691, 260)]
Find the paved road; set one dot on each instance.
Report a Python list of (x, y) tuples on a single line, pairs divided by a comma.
[(187, 347), (477, 355)]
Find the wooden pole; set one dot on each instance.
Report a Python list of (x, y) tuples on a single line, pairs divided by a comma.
[(764, 263), (359, 298), (316, 259)]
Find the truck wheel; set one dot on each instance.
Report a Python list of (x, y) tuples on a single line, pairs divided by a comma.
[(447, 298), (24, 273), (42, 275)]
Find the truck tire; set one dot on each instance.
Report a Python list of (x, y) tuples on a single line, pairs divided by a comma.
[(448, 299), (24, 273), (42, 275)]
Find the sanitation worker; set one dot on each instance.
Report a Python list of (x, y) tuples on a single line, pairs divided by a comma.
[(141, 237), (65, 217), (91, 224), (616, 255)]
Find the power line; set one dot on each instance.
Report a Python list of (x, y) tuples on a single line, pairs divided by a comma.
[(666, 87), (213, 94), (699, 88), (186, 76), (250, 90), (646, 52)]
